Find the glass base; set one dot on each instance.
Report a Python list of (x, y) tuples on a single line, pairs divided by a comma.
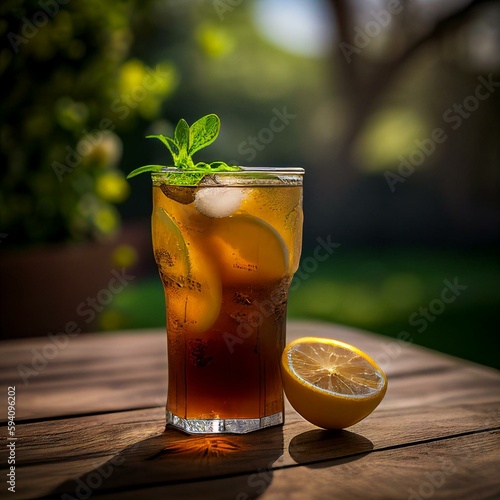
[(223, 426)]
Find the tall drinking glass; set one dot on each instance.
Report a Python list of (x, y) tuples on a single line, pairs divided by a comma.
[(226, 251)]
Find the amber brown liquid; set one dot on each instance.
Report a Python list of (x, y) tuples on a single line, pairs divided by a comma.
[(226, 312)]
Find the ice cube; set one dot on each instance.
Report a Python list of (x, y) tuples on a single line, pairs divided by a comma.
[(216, 202)]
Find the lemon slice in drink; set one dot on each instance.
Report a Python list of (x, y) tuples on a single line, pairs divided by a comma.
[(192, 285), (331, 384), (249, 251)]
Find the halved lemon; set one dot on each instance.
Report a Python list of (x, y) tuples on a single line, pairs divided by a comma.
[(248, 250), (330, 383)]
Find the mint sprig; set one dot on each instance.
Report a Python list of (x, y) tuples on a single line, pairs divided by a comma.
[(187, 141)]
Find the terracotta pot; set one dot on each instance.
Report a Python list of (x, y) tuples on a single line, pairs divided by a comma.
[(43, 290)]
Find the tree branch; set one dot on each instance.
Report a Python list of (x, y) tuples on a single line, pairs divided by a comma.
[(367, 95)]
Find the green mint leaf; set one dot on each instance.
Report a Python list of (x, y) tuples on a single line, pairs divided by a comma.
[(185, 178), (184, 161), (187, 141), (216, 166), (145, 168), (221, 166), (181, 135), (203, 132)]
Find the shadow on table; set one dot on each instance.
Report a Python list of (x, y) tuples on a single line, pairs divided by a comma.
[(173, 463), (317, 448)]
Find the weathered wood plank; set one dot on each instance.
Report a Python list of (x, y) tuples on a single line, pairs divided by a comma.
[(460, 468), (138, 346), (431, 397), (63, 440), (145, 455), (147, 388), (95, 373)]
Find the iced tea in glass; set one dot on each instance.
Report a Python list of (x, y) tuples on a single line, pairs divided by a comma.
[(226, 251)]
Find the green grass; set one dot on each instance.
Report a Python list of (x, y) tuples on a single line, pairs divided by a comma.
[(385, 291), (380, 291)]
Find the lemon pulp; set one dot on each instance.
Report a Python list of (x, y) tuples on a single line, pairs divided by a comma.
[(248, 250), (340, 370), (331, 384)]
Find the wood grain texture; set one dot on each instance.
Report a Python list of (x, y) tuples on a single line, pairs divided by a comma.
[(461, 468), (108, 434), (128, 371), (147, 455), (94, 415)]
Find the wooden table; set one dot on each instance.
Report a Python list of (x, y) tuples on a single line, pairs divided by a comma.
[(90, 422)]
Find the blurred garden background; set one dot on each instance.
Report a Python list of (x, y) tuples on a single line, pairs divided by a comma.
[(391, 106)]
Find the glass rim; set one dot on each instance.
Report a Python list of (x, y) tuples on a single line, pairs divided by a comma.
[(244, 170), (247, 176)]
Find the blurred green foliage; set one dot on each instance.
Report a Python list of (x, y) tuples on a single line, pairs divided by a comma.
[(73, 88), (83, 89)]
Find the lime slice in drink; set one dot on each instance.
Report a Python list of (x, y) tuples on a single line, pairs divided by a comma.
[(171, 253), (191, 281), (248, 250)]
